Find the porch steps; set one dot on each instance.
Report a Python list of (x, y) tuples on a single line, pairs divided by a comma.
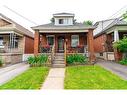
[(58, 61)]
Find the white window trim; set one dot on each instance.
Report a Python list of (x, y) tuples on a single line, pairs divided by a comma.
[(71, 39), (50, 36)]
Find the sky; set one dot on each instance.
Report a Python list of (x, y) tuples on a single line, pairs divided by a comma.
[(40, 11)]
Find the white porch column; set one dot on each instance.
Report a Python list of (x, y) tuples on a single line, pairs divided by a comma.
[(116, 35)]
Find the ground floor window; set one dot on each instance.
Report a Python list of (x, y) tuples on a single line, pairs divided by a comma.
[(14, 43), (74, 40), (50, 39)]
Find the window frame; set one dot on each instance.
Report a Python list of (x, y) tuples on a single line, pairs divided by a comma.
[(2, 41), (50, 36), (62, 20), (72, 39)]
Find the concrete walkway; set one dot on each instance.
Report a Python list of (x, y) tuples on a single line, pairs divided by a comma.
[(12, 71), (116, 68), (55, 79)]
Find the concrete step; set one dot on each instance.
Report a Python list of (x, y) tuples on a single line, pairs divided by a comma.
[(59, 59), (59, 54), (58, 65), (58, 62)]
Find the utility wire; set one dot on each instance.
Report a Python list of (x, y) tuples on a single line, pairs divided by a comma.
[(20, 15), (118, 12)]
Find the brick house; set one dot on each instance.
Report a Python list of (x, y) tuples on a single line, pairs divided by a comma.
[(65, 36), (106, 33), (16, 42)]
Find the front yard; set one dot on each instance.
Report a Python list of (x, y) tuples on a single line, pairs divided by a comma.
[(92, 77), (30, 79)]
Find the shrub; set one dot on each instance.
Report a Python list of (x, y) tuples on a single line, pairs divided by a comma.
[(76, 59), (123, 61), (121, 45), (38, 60), (1, 63)]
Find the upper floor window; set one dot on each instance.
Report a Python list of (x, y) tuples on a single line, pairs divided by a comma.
[(61, 21)]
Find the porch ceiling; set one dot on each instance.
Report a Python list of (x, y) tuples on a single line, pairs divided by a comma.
[(119, 28), (63, 31)]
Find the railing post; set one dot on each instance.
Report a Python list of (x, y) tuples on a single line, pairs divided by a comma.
[(65, 52), (52, 53)]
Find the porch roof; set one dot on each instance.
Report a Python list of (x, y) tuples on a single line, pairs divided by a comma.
[(51, 27), (15, 26), (117, 22)]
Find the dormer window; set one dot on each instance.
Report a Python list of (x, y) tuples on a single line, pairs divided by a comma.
[(61, 21)]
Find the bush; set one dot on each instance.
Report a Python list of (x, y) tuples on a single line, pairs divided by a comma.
[(1, 63), (76, 59), (121, 45), (38, 60), (123, 61)]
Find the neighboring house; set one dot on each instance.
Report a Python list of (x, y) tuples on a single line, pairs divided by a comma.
[(106, 33), (65, 35), (16, 42)]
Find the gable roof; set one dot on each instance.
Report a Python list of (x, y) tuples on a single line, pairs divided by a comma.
[(51, 26), (64, 14), (116, 22), (17, 26)]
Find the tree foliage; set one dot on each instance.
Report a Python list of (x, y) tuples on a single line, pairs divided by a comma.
[(124, 16), (88, 22), (121, 45)]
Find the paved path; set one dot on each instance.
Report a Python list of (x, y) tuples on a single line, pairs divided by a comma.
[(55, 79), (12, 71), (116, 68)]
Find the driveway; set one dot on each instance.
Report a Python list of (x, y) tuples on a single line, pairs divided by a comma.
[(115, 68), (12, 71)]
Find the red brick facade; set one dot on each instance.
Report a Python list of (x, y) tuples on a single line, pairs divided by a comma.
[(36, 42), (29, 45), (99, 43), (90, 42)]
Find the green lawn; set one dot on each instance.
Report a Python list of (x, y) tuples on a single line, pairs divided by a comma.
[(92, 77), (30, 79)]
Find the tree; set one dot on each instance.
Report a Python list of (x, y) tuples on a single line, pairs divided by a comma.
[(124, 16), (52, 20), (88, 22)]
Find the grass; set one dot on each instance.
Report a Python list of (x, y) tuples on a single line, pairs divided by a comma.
[(92, 77), (30, 79)]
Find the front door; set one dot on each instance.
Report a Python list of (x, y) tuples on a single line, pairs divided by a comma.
[(61, 44)]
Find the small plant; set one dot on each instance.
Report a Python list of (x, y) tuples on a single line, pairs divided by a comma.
[(123, 61), (76, 59), (1, 63), (37, 60)]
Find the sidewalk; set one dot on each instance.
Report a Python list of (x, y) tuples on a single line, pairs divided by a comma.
[(115, 68), (12, 71), (55, 79)]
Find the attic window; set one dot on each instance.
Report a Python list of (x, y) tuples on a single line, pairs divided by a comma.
[(60, 21)]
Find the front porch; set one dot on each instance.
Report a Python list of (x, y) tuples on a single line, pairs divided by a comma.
[(75, 43), (112, 37), (66, 43), (11, 47)]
